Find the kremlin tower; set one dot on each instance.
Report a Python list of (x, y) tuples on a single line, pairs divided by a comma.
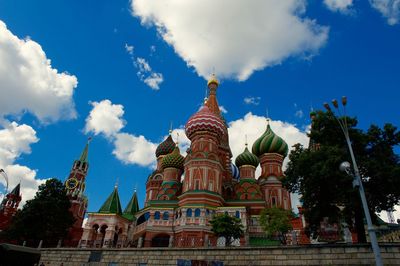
[(75, 185), (9, 206)]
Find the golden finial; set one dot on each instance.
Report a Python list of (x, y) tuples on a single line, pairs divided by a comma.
[(245, 136), (116, 184), (213, 80)]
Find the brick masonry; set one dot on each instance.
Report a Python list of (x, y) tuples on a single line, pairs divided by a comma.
[(301, 255)]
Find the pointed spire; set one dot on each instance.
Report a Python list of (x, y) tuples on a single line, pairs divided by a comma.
[(112, 204), (16, 190), (132, 207), (84, 155), (212, 102)]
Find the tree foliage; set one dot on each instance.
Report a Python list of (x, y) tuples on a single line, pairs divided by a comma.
[(46, 217), (228, 227), (314, 172), (276, 222)]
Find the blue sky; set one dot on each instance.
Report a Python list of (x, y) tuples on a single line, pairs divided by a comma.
[(144, 64)]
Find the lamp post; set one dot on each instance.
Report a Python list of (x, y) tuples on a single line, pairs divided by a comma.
[(357, 179)]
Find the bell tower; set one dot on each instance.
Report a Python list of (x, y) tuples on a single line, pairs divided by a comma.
[(75, 185)]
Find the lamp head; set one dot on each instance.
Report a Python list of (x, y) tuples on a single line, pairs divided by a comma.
[(345, 167)]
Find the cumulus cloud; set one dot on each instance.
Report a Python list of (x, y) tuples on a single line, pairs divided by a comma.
[(247, 36), (132, 149), (342, 6), (105, 118), (29, 83), (390, 9), (16, 140), (252, 100)]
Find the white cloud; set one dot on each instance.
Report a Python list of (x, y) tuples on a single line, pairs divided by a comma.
[(129, 48), (132, 149), (105, 118), (342, 6), (16, 140), (236, 37), (29, 83), (252, 100), (390, 9), (154, 80), (142, 65), (223, 110)]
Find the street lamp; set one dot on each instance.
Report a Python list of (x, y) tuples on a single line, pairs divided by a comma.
[(342, 120)]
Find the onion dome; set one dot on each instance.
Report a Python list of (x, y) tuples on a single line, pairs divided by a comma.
[(204, 120), (165, 147), (235, 172), (174, 160), (246, 158), (269, 142)]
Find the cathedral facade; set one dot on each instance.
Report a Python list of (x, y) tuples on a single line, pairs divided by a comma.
[(184, 193)]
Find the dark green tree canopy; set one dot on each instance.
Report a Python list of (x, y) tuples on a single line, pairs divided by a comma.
[(314, 172), (46, 217), (227, 226), (276, 221)]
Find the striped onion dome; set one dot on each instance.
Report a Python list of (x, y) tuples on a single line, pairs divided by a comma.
[(269, 142), (174, 160), (204, 120), (165, 147), (235, 172), (246, 158)]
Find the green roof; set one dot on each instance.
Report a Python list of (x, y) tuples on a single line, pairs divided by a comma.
[(84, 155), (132, 207), (112, 204), (16, 190)]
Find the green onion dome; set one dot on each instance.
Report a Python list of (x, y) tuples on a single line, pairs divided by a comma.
[(246, 158), (165, 147), (174, 160), (269, 142)]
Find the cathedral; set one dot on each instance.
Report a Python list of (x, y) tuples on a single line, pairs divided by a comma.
[(184, 193)]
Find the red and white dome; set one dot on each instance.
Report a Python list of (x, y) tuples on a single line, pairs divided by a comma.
[(204, 120)]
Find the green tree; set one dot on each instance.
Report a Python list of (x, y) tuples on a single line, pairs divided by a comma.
[(46, 217), (276, 222), (314, 172), (228, 227)]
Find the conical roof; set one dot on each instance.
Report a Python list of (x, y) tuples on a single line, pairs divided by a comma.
[(132, 207), (174, 160), (269, 142), (165, 147), (16, 190), (246, 158), (112, 204)]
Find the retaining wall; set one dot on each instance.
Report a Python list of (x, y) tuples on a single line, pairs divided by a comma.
[(301, 255)]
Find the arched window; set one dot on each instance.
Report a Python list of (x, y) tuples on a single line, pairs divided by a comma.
[(207, 212), (197, 212), (165, 216), (237, 214), (146, 216), (189, 213), (157, 215)]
